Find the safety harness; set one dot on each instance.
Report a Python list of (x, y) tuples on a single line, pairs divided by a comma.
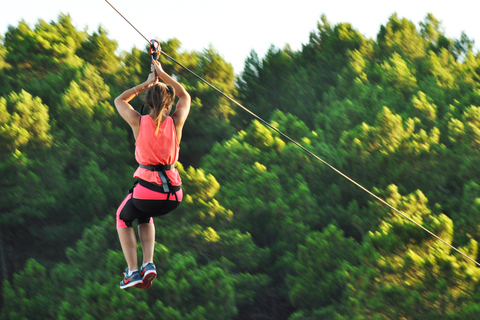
[(160, 169)]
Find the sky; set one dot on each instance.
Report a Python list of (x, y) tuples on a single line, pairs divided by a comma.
[(235, 28)]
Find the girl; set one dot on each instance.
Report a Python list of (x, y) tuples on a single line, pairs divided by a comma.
[(158, 189)]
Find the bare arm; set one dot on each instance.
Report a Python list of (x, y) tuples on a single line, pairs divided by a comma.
[(183, 105), (130, 115)]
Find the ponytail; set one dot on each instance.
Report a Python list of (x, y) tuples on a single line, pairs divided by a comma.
[(159, 97)]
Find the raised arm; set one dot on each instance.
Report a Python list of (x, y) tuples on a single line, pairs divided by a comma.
[(130, 115), (183, 105)]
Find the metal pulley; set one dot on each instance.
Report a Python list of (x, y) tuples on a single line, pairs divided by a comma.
[(155, 49)]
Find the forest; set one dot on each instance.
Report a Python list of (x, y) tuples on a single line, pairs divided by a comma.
[(265, 231)]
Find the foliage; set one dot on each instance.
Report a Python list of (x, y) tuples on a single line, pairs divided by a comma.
[(265, 231)]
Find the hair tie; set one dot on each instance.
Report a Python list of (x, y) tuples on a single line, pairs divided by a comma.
[(166, 87)]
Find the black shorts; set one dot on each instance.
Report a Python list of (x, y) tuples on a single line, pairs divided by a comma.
[(146, 200)]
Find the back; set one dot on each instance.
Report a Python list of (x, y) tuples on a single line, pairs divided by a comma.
[(151, 149)]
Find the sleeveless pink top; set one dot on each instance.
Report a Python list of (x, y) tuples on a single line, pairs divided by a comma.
[(151, 149)]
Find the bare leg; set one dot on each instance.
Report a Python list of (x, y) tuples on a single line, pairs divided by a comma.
[(146, 232), (128, 242)]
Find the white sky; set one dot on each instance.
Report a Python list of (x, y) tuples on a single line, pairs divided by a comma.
[(234, 28)]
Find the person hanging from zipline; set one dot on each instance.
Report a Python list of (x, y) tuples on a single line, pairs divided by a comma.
[(158, 189)]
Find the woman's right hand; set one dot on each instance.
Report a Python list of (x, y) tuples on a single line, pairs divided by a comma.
[(157, 67)]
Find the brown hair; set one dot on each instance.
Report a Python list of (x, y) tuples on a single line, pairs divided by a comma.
[(159, 97)]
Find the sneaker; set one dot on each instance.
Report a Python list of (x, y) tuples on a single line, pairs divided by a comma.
[(149, 272), (132, 280)]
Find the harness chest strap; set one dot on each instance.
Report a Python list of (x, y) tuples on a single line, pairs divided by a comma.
[(160, 169)]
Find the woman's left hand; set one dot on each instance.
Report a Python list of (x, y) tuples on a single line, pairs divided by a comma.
[(152, 78)]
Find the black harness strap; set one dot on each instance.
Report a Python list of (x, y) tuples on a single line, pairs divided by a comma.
[(160, 169), (155, 187)]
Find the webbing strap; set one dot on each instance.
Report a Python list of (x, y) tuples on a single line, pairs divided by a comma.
[(158, 167), (164, 181), (156, 187)]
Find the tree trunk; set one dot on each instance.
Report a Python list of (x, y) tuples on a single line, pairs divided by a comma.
[(3, 263)]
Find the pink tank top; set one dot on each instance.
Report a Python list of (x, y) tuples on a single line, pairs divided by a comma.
[(151, 149)]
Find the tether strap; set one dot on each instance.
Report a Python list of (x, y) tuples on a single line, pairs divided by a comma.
[(160, 169), (162, 176)]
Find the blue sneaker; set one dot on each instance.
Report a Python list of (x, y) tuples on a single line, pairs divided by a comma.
[(131, 280), (148, 273)]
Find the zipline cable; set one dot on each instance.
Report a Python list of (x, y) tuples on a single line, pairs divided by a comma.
[(302, 147)]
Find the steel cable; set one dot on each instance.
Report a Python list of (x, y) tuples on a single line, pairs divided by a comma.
[(302, 147)]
